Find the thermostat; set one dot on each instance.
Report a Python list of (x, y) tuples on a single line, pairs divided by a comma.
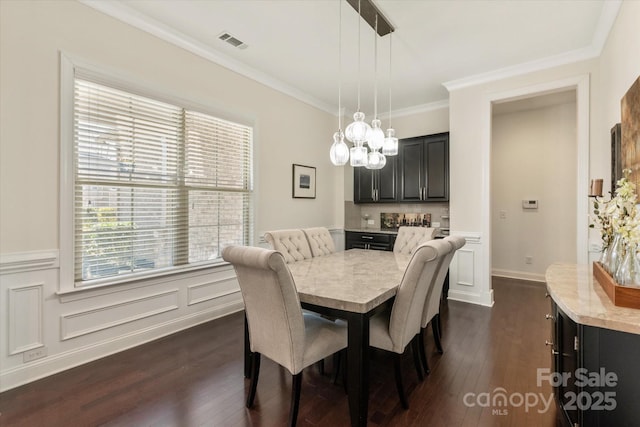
[(529, 204)]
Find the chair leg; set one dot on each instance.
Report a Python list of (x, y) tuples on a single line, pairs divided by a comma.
[(436, 333), (439, 325), (398, 368), (321, 366), (296, 385), (255, 372), (423, 355), (417, 361)]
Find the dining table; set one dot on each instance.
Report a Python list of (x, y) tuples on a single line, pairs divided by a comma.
[(352, 285)]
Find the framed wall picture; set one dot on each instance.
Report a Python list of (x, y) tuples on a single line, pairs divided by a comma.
[(616, 157), (630, 141), (304, 182)]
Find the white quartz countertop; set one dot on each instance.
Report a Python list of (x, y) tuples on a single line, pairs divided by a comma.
[(581, 297)]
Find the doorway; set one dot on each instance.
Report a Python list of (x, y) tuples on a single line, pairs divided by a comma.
[(533, 184)]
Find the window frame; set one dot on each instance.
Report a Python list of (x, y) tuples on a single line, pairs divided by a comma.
[(118, 80)]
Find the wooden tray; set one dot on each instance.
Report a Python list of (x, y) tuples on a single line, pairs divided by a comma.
[(622, 296)]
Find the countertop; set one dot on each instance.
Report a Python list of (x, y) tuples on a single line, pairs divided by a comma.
[(371, 230), (381, 231), (581, 297)]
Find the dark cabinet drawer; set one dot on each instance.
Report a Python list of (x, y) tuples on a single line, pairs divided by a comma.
[(374, 241)]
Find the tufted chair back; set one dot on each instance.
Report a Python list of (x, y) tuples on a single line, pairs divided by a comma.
[(409, 238), (292, 244), (432, 303), (320, 241), (274, 316)]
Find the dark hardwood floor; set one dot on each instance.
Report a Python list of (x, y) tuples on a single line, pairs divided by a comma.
[(195, 378)]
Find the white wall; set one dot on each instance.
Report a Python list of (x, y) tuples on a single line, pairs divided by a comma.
[(533, 156), (609, 76), (78, 327)]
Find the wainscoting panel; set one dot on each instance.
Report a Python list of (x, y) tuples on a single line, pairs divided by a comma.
[(109, 316), (211, 290), (25, 318), (466, 278), (44, 332)]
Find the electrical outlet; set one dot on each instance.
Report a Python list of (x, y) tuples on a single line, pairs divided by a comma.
[(370, 222), (435, 224), (528, 259), (503, 214), (34, 354)]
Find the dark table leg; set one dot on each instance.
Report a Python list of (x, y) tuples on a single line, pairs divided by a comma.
[(247, 350), (358, 368)]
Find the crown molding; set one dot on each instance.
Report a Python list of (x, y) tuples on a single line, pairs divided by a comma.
[(128, 15), (608, 17), (610, 9), (524, 68), (417, 109)]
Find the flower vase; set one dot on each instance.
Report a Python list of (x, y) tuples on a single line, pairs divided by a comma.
[(625, 274), (636, 266), (614, 255), (604, 255)]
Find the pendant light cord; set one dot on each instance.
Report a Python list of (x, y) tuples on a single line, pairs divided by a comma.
[(359, 19), (375, 70), (390, 40), (339, 65)]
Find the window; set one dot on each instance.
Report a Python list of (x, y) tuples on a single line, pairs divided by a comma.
[(157, 186)]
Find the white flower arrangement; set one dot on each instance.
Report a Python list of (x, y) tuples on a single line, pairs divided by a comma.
[(619, 215)]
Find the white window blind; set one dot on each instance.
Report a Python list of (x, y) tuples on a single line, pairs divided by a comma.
[(157, 186)]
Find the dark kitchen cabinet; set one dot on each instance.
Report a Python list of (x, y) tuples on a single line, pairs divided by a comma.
[(598, 379), (372, 186), (374, 241), (423, 169)]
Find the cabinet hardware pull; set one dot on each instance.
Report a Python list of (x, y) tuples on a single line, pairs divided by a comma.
[(547, 342), (549, 317), (367, 237), (554, 352), (546, 295)]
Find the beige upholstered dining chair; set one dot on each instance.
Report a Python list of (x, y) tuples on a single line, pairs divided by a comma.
[(277, 327), (431, 311), (410, 238), (292, 244), (393, 330), (320, 241)]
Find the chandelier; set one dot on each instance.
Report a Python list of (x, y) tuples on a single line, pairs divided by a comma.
[(360, 132)]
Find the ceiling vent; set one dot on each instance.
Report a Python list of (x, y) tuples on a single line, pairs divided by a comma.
[(226, 37)]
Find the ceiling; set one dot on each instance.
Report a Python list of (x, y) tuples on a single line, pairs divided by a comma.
[(293, 45)]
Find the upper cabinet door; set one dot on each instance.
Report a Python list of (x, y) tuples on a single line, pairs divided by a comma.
[(372, 186), (411, 169), (424, 169), (363, 185), (436, 152), (386, 185)]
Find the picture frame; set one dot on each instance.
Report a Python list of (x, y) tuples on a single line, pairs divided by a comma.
[(630, 129), (304, 182), (616, 156)]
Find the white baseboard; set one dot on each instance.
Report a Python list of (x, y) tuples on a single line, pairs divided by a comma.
[(60, 362), (472, 298), (522, 275)]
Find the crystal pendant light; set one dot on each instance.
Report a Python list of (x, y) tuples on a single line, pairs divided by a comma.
[(376, 160), (390, 145), (358, 131), (339, 152)]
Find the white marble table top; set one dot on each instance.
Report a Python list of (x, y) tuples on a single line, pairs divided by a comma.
[(581, 297), (356, 280)]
